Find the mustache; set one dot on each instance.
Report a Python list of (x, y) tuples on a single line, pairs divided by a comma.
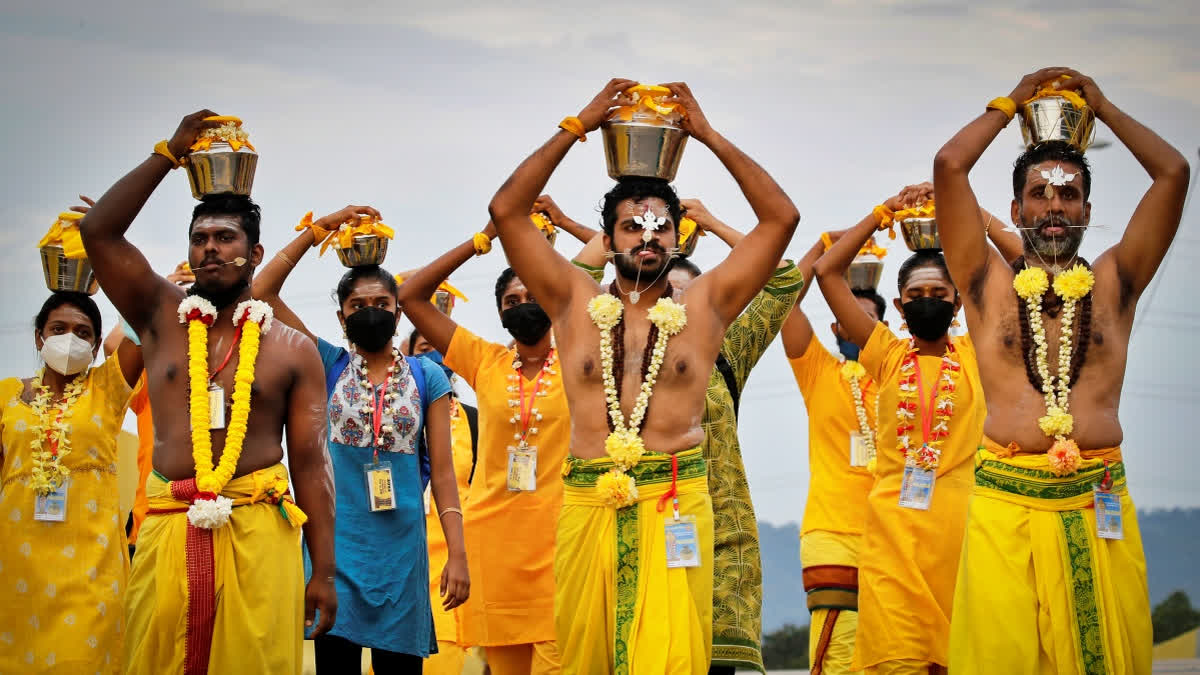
[(1053, 220)]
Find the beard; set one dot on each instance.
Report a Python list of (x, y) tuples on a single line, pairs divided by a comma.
[(1053, 248), (628, 267), (220, 296)]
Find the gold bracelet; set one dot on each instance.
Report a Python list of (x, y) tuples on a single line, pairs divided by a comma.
[(482, 243), (160, 148), (291, 263), (450, 509), (574, 126), (987, 226), (1005, 105)]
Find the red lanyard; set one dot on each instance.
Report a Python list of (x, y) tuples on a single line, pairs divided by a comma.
[(237, 335), (527, 411), (927, 412), (673, 492)]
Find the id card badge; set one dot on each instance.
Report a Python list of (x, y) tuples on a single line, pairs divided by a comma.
[(522, 468), (916, 490), (216, 406), (683, 544), (379, 486), (859, 455), (1108, 514), (52, 508)]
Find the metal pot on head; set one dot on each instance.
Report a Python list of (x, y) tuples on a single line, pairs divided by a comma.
[(921, 234), (1055, 118), (366, 249), (67, 274), (636, 148), (865, 272), (220, 169)]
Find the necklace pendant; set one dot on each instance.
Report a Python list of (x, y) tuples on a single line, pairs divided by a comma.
[(634, 296)]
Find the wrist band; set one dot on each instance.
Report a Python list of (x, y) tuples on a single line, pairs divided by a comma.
[(826, 240), (575, 126), (884, 214), (450, 509), (291, 263), (319, 233), (160, 148), (1005, 105), (482, 243)]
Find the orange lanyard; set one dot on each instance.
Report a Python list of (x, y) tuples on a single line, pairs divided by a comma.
[(527, 410)]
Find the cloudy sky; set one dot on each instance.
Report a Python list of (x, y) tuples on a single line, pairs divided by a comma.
[(422, 110)]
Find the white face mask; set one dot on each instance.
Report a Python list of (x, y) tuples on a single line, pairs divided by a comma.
[(67, 354)]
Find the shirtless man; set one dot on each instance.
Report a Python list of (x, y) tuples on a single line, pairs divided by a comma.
[(1033, 516), (253, 559), (618, 515)]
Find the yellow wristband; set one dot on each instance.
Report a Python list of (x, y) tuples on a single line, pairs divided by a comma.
[(160, 148), (884, 214), (1005, 105), (482, 243), (575, 126), (826, 240), (319, 233)]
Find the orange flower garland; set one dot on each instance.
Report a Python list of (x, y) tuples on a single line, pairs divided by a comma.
[(929, 454)]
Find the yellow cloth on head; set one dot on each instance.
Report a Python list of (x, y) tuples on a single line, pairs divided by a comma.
[(445, 624), (512, 595), (259, 585), (837, 492), (62, 584), (1054, 597), (618, 608), (909, 557)]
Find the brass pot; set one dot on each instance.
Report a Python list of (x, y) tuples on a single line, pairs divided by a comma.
[(1054, 118), (221, 169), (641, 148), (366, 249), (865, 272), (921, 234), (67, 274)]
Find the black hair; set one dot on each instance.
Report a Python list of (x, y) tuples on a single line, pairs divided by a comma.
[(369, 272), (870, 294), (1050, 151), (502, 283), (412, 340), (930, 257), (683, 263), (82, 301), (638, 188), (231, 205)]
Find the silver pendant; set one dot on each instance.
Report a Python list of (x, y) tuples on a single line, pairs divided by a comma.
[(634, 297)]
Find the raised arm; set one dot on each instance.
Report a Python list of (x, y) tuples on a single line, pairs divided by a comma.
[(416, 290), (562, 221), (706, 221), (127, 278), (1155, 221), (830, 271), (797, 330), (455, 582), (268, 282), (541, 268), (731, 285), (312, 474), (960, 220), (592, 255), (1006, 241)]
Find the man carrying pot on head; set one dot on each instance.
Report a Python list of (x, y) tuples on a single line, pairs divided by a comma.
[(635, 535), (218, 559), (1057, 588)]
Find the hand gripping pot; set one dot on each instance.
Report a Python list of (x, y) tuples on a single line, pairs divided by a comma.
[(644, 139), (222, 161), (543, 223)]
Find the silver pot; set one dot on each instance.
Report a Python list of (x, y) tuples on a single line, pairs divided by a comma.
[(67, 274), (444, 301), (865, 272), (221, 169), (366, 249), (921, 234), (1054, 118), (639, 148)]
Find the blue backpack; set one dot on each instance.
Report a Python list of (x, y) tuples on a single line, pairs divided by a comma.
[(414, 363)]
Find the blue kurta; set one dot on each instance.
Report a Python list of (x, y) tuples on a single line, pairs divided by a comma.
[(382, 559)]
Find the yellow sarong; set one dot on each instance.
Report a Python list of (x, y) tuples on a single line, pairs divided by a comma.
[(258, 582), (1038, 591), (829, 563), (617, 607)]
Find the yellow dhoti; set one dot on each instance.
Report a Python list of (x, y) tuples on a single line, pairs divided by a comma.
[(1038, 590), (252, 568), (618, 608), (829, 561)]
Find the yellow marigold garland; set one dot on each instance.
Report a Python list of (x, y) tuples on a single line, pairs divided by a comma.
[(929, 455), (48, 470)]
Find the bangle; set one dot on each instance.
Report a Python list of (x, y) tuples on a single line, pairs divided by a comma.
[(291, 263), (884, 215), (1005, 105), (826, 240), (482, 243), (987, 226), (160, 148), (574, 126), (450, 509)]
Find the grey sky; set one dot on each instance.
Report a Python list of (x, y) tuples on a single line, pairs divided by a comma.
[(423, 109)]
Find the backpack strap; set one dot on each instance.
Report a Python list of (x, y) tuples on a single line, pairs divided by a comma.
[(726, 371), (334, 372), (418, 373), (472, 414)]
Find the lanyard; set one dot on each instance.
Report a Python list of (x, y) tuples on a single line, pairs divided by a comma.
[(527, 411), (673, 492), (927, 412), (237, 335)]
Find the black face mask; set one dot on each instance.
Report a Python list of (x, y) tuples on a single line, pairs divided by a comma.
[(527, 322), (928, 318), (370, 328)]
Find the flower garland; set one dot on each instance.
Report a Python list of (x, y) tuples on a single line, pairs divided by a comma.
[(389, 397), (624, 444), (852, 373), (209, 510), (929, 455), (540, 389), (48, 471), (1071, 286)]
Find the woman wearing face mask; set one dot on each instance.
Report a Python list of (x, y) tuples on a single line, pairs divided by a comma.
[(524, 433), (63, 556), (930, 420), (389, 434)]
